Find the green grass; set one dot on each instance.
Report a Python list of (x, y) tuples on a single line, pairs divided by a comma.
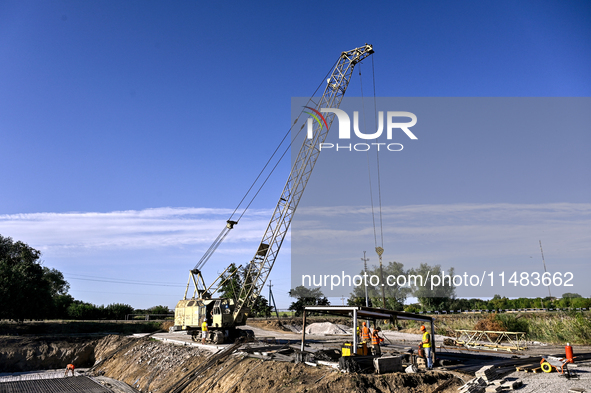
[(555, 328), (574, 328)]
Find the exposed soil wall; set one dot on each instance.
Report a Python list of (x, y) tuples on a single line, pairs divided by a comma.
[(42, 353)]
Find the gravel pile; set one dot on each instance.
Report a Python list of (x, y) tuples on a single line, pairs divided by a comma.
[(327, 328)]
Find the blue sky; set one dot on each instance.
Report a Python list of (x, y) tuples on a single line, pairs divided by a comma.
[(130, 130)]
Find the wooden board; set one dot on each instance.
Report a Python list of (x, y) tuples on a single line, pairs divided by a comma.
[(527, 367)]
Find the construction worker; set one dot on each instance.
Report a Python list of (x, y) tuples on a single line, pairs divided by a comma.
[(365, 332), (426, 343), (376, 340), (203, 331), (68, 368), (358, 332)]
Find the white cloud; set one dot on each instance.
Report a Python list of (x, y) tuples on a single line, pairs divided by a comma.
[(131, 229), (446, 231), (431, 231)]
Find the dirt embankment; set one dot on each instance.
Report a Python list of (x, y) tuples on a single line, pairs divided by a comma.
[(154, 366), (42, 353)]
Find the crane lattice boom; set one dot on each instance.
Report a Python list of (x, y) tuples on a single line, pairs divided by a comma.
[(259, 268)]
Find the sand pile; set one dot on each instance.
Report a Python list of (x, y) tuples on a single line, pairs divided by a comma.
[(327, 328)]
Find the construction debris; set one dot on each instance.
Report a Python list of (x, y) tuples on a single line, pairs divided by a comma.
[(512, 385), (476, 385), (412, 369), (486, 381)]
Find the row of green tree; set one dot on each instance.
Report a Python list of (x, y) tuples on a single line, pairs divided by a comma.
[(498, 302), (443, 297), (29, 290), (397, 291)]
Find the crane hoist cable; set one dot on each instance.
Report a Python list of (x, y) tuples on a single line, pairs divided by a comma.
[(368, 163), (378, 151), (369, 168), (379, 249), (230, 223)]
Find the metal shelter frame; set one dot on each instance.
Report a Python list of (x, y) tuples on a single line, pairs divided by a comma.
[(356, 312)]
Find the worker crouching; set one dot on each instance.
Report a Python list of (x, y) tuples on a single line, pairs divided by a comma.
[(69, 367)]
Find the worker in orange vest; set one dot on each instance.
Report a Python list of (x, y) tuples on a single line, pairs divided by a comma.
[(365, 332), (68, 368), (376, 340)]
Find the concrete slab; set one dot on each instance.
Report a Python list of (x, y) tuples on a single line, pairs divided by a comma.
[(388, 364)]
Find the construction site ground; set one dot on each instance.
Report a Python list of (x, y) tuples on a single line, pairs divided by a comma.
[(159, 362)]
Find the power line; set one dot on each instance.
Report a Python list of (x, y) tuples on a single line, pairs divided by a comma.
[(119, 281), (127, 293), (126, 283)]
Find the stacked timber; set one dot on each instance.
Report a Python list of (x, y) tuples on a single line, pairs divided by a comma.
[(487, 373), (476, 385)]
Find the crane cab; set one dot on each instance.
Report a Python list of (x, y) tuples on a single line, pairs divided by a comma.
[(190, 313)]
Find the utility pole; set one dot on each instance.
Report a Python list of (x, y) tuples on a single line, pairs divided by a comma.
[(364, 259), (380, 251), (272, 299), (545, 271), (343, 299)]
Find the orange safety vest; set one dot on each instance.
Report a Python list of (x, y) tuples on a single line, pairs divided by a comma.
[(70, 367), (365, 333), (375, 338)]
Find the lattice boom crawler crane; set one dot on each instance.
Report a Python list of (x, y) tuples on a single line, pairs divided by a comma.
[(223, 315)]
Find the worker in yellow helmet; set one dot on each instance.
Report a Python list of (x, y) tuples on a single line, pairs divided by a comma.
[(203, 331), (426, 343)]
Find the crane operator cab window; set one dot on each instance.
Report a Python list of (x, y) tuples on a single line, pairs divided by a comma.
[(217, 307), (209, 313), (217, 313)]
